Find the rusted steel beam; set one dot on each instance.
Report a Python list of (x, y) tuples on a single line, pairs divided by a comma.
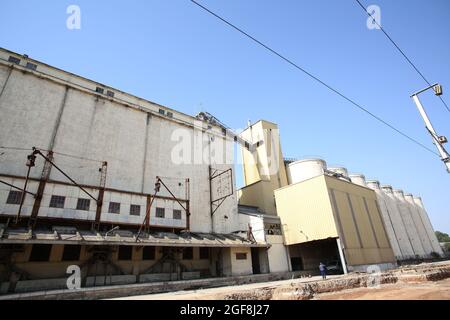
[(94, 187), (40, 192), (101, 193), (17, 188), (66, 175)]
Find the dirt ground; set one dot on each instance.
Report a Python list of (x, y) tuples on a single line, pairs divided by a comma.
[(431, 290), (437, 290)]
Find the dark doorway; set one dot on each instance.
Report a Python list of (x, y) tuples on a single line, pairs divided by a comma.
[(297, 263), (255, 261)]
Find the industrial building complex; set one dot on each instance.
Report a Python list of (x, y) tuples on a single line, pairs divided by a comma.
[(131, 191)]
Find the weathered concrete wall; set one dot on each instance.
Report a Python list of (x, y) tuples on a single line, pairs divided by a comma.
[(278, 254), (410, 227), (241, 267), (139, 143)]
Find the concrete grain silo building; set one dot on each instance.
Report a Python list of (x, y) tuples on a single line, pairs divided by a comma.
[(428, 226), (116, 184), (388, 219), (409, 224)]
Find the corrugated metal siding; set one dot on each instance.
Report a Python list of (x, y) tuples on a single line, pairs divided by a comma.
[(365, 236), (305, 211)]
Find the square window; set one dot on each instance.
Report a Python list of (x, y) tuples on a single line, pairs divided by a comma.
[(161, 111), (125, 252), (83, 204), (241, 256), (204, 253), (99, 90), (71, 253), (40, 252), (114, 207), (177, 214), (14, 60), (169, 114), (148, 253), (160, 212), (31, 66), (135, 210), (57, 202), (14, 197), (109, 93), (188, 253)]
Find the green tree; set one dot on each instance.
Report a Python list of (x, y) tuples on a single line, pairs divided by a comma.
[(442, 237)]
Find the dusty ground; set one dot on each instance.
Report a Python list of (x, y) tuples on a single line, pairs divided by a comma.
[(431, 290), (437, 290), (219, 293), (425, 281)]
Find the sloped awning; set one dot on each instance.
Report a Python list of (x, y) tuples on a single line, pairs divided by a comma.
[(124, 237)]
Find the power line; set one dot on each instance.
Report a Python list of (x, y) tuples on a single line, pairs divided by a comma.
[(54, 152), (400, 50), (313, 77)]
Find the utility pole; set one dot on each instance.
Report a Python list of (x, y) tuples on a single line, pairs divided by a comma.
[(438, 141)]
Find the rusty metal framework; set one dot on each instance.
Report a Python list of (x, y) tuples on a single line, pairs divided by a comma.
[(101, 192), (48, 164), (215, 174), (159, 182)]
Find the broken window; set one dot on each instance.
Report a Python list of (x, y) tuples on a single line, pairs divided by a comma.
[(14, 197), (31, 66), (125, 252), (204, 253), (177, 214), (99, 90), (148, 253), (40, 252), (114, 207), (188, 253), (241, 256), (160, 212), (71, 253), (57, 202), (135, 210), (83, 204), (14, 60)]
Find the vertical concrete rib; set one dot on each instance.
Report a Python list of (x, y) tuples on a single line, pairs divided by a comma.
[(6, 81), (336, 217), (354, 220), (371, 223), (144, 171), (51, 144)]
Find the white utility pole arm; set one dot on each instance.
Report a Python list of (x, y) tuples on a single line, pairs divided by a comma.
[(437, 140)]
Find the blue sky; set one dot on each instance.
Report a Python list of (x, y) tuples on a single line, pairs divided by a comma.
[(175, 54)]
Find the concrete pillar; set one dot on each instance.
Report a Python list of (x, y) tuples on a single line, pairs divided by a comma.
[(341, 255)]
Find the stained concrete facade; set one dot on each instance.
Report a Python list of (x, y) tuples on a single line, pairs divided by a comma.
[(54, 110), (112, 143)]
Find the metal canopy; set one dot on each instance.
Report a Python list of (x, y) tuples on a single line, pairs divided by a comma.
[(167, 239)]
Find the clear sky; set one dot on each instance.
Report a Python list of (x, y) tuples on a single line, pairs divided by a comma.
[(175, 54)]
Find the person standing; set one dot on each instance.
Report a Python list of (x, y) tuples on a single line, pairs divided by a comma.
[(323, 270)]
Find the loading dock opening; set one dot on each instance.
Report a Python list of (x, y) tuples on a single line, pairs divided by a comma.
[(308, 255)]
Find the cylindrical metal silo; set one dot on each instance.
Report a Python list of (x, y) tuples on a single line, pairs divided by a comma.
[(386, 216), (411, 229), (420, 226), (302, 170), (358, 179), (398, 224), (428, 226)]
